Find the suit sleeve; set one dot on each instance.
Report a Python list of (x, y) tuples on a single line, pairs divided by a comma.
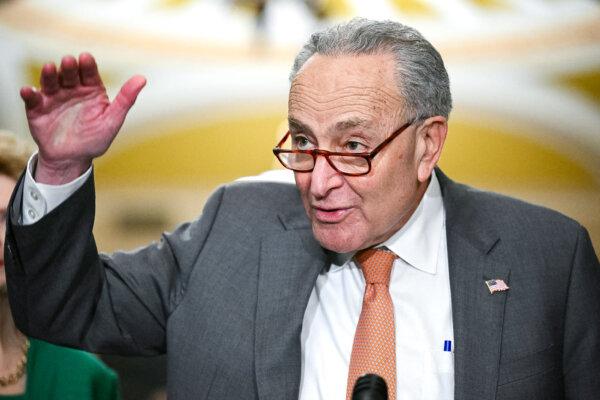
[(581, 353), (63, 291)]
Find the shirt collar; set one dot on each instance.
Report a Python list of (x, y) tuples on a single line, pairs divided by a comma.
[(418, 241)]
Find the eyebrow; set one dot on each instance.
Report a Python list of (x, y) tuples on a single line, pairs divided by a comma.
[(297, 126), (351, 123)]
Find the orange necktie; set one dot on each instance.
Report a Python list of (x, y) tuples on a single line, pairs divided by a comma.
[(374, 348)]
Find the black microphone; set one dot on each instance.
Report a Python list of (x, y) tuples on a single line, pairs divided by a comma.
[(370, 387)]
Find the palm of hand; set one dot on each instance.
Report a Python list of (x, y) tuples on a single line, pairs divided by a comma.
[(73, 123), (71, 118)]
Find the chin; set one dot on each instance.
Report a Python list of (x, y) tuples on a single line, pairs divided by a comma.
[(337, 239)]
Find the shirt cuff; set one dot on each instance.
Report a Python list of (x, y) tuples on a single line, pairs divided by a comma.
[(40, 199)]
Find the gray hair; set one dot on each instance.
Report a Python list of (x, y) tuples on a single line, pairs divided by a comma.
[(420, 73)]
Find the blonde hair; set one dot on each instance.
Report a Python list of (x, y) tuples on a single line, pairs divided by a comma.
[(14, 153)]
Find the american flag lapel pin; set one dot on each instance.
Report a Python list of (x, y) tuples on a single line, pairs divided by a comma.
[(496, 285)]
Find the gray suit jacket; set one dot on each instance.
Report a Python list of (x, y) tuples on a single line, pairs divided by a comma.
[(225, 295)]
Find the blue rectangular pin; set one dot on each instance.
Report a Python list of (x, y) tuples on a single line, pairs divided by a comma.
[(447, 345)]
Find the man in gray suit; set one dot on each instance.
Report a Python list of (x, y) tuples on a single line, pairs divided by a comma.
[(259, 298)]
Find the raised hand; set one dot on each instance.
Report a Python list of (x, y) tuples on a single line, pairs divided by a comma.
[(71, 118)]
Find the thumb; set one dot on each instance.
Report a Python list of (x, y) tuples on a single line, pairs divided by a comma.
[(126, 98), (117, 111)]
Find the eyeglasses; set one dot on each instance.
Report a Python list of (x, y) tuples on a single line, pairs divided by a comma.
[(351, 164)]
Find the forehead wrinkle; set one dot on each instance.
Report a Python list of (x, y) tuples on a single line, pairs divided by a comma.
[(371, 99), (362, 106), (360, 118), (375, 91), (355, 100), (341, 93), (353, 96)]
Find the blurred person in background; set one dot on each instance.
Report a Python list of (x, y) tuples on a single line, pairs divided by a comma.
[(467, 294), (30, 368)]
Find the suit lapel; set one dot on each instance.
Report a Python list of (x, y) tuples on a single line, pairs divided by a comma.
[(289, 266), (477, 318), (477, 314)]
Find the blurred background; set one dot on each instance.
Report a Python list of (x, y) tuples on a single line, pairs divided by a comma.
[(525, 77)]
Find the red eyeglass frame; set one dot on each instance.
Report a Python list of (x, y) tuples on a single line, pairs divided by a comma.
[(325, 153)]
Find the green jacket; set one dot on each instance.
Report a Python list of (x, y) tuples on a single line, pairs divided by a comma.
[(55, 373)]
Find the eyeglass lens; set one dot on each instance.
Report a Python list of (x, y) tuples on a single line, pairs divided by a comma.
[(306, 162)]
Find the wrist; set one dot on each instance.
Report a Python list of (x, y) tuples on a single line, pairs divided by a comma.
[(59, 172)]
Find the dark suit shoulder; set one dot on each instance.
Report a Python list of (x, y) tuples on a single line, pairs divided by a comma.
[(264, 192), (270, 205), (509, 210), (525, 226)]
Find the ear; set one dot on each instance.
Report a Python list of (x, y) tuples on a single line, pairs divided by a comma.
[(431, 135)]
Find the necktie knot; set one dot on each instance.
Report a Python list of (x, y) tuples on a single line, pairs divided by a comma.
[(376, 265)]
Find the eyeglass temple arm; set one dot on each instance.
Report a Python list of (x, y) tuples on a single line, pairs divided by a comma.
[(389, 139)]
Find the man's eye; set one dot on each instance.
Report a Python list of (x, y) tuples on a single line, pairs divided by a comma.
[(355, 146), (301, 143)]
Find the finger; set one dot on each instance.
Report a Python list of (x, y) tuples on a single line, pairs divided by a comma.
[(68, 74), (88, 70), (31, 97), (125, 99), (49, 79)]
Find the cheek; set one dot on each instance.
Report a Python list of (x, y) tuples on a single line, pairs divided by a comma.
[(385, 196), (303, 185), (302, 182)]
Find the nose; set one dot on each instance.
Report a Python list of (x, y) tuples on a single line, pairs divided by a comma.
[(324, 178)]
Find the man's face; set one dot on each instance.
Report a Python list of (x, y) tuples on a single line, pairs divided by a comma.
[(7, 184), (351, 104)]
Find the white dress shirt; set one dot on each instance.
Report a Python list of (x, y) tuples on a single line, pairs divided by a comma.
[(419, 287), (420, 290)]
